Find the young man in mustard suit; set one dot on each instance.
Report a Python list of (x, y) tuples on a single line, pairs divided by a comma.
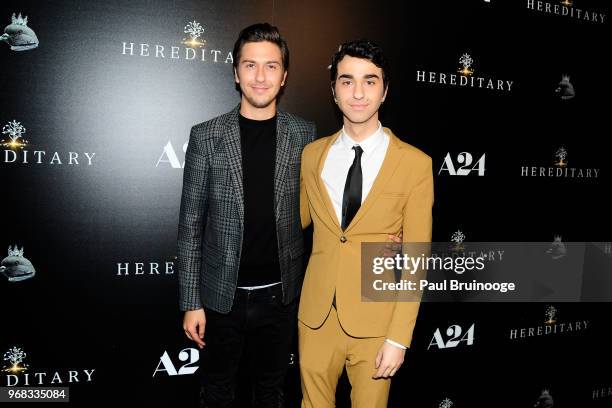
[(359, 185)]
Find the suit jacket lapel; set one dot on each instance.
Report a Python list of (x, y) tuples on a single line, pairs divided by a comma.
[(390, 163), (283, 154), (332, 220), (231, 137)]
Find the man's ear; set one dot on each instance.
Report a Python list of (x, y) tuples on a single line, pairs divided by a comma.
[(334, 92), (284, 78), (385, 94), (236, 79)]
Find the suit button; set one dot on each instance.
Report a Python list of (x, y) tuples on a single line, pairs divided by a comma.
[(343, 239)]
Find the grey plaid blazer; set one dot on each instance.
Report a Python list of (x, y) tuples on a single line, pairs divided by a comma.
[(211, 217)]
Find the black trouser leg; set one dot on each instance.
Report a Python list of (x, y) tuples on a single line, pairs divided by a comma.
[(261, 326), (220, 358), (271, 326)]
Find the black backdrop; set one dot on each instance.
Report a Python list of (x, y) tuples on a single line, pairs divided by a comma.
[(95, 230)]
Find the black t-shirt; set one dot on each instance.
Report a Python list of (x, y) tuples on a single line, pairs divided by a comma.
[(259, 261)]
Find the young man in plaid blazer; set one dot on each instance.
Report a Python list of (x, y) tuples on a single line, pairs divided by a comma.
[(240, 242)]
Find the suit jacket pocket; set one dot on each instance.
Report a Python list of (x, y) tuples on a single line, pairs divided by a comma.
[(394, 194)]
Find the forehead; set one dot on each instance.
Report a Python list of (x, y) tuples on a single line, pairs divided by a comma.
[(357, 67), (260, 51)]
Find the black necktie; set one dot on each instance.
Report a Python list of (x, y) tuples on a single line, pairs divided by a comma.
[(351, 200)]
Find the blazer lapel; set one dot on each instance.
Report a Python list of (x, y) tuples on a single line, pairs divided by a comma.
[(231, 136), (390, 163), (283, 154), (332, 220)]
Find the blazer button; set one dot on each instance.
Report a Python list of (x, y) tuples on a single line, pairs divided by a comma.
[(343, 239)]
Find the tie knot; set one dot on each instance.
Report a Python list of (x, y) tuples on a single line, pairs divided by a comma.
[(358, 150)]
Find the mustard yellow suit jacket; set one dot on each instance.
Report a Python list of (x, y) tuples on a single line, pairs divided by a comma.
[(401, 199)]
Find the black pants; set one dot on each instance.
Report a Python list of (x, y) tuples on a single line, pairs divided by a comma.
[(260, 329)]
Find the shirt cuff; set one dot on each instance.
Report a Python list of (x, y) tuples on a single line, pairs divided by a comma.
[(396, 344)]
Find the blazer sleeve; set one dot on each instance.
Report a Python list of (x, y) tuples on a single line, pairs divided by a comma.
[(192, 219), (417, 226)]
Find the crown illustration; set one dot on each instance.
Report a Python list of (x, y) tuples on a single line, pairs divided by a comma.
[(458, 236), (445, 403), (15, 252), (466, 60), (558, 238), (19, 20), (561, 154), (565, 77), (15, 356), (551, 313), (194, 29)]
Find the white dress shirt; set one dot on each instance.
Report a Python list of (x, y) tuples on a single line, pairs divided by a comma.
[(340, 158), (338, 162)]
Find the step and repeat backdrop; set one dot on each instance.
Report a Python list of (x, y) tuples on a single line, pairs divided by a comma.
[(509, 98)]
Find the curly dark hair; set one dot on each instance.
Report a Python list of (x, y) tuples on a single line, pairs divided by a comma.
[(364, 49)]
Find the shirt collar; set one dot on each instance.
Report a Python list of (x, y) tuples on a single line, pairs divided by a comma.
[(368, 145)]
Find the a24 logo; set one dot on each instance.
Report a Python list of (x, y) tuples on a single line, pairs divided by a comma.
[(454, 337), (464, 165), (188, 355)]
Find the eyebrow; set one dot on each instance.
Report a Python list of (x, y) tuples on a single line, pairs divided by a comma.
[(266, 62), (366, 76)]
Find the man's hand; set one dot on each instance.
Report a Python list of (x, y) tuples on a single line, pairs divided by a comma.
[(396, 238), (388, 360), (395, 247), (194, 323)]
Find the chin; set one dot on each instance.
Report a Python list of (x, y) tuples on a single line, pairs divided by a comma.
[(260, 103), (359, 118)]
